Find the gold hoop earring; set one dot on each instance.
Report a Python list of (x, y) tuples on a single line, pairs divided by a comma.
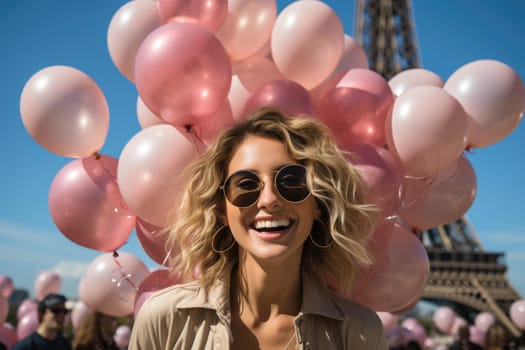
[(320, 229), (214, 239)]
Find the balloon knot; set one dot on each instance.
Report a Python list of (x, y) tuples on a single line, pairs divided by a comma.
[(115, 254)]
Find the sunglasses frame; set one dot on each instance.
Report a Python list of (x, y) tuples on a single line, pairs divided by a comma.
[(57, 311), (261, 184)]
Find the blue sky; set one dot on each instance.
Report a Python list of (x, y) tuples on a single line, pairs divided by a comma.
[(37, 34)]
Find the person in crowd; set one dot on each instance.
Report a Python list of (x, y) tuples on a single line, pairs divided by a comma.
[(52, 313), (463, 342), (96, 333), (496, 338), (273, 225)]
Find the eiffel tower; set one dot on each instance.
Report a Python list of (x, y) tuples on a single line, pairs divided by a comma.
[(463, 275)]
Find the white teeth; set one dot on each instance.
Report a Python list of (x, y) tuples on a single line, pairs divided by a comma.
[(271, 223)]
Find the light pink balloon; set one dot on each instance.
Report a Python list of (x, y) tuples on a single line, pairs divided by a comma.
[(477, 335), (398, 337), (408, 78), (110, 284), (8, 335), (286, 95), (122, 335), (307, 42), (27, 325), (426, 131), (493, 95), (354, 56), (27, 306), (65, 111), (86, 205), (208, 13), (152, 241), (402, 277), (247, 27), (182, 73), (456, 325), (145, 116), (255, 71), (484, 320), (388, 320), (381, 173), (426, 206), (6, 285), (139, 301), (4, 308), (238, 96), (79, 314), (443, 318), (128, 28), (418, 331), (517, 313), (45, 283), (355, 106), (150, 170)]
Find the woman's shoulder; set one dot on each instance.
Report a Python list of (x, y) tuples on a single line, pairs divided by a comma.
[(173, 296), (353, 310)]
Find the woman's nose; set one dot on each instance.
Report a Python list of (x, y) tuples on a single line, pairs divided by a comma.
[(269, 198)]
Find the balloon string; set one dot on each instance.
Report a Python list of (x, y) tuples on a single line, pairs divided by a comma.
[(123, 275)]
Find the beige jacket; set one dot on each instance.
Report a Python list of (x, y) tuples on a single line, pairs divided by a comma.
[(180, 317)]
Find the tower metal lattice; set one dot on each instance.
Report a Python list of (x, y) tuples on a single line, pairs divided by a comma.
[(462, 274)]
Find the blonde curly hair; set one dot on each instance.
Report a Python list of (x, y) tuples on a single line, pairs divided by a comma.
[(335, 184)]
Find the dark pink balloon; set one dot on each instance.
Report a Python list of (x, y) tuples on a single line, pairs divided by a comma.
[(6, 285), (208, 13), (8, 335), (152, 241), (381, 173), (286, 95), (208, 128), (156, 280), (86, 205), (255, 71), (182, 73), (355, 105)]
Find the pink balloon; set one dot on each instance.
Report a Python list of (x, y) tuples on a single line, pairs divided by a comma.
[(456, 325), (110, 284), (79, 314), (8, 335), (426, 131), (517, 313), (285, 95), (398, 337), (65, 111), (493, 95), (45, 283), (247, 27), (27, 325), (307, 42), (145, 116), (426, 206), (122, 335), (355, 105), (381, 173), (408, 78), (152, 241), (150, 170), (128, 28), (208, 13), (255, 71), (86, 205), (182, 73), (484, 320), (237, 97), (418, 332), (402, 278), (388, 320), (354, 56), (27, 306), (139, 301), (209, 128), (444, 318), (477, 335), (6, 285)]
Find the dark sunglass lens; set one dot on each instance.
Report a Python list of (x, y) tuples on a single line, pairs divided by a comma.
[(59, 311), (242, 188), (291, 183)]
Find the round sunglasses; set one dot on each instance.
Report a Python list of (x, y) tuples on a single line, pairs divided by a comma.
[(243, 187)]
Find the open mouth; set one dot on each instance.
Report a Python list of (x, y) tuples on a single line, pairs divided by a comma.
[(272, 225)]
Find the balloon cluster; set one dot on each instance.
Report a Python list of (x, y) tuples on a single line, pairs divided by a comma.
[(200, 66)]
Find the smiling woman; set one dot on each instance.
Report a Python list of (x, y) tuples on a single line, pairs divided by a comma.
[(272, 227)]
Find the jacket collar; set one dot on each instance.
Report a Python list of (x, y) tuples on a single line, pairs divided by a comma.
[(316, 299)]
